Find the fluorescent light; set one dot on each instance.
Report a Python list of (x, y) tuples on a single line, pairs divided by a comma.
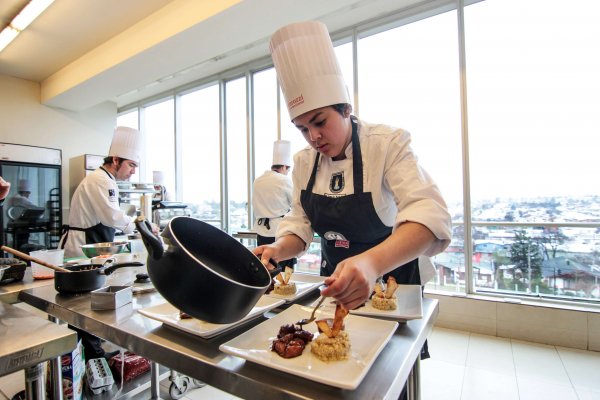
[(30, 12), (6, 36)]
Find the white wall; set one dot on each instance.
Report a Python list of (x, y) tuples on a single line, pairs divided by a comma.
[(23, 120)]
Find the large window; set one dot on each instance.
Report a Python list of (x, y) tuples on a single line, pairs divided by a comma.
[(408, 78), (159, 128), (237, 154), (533, 84), (200, 154)]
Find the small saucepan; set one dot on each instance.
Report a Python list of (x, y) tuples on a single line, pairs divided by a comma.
[(86, 277), (203, 271)]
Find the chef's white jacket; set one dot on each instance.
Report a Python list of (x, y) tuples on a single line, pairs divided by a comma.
[(402, 190), (96, 200), (271, 198)]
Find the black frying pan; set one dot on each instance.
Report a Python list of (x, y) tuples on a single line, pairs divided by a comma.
[(204, 271), (87, 277)]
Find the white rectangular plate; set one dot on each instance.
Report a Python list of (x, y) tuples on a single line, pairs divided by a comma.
[(169, 315), (305, 283), (367, 337), (409, 305)]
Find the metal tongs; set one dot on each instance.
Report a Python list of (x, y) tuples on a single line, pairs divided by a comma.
[(306, 321)]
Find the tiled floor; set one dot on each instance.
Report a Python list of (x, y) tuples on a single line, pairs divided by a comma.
[(465, 366)]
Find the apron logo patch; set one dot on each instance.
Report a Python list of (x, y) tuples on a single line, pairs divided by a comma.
[(342, 243), (337, 182), (340, 240)]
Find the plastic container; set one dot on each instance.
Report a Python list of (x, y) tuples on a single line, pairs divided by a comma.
[(54, 257)]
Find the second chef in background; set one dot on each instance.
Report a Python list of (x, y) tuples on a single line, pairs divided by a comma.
[(272, 197), (95, 214)]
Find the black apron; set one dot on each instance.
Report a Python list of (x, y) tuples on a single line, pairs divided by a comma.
[(96, 234), (349, 225)]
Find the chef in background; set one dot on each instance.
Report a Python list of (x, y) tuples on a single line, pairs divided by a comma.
[(272, 197), (95, 214), (21, 199), (358, 185)]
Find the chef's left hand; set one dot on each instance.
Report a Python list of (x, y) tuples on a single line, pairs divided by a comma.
[(352, 282)]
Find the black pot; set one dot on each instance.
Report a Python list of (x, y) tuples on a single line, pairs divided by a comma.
[(86, 277), (203, 271)]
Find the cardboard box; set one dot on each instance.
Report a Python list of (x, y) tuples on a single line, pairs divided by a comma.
[(73, 370)]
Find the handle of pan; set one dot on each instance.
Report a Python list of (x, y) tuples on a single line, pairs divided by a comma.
[(151, 241), (35, 260), (110, 270)]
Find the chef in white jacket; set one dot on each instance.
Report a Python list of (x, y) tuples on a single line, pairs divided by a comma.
[(95, 214), (272, 196), (358, 185)]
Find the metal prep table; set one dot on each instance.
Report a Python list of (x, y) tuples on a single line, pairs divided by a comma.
[(9, 292), (26, 341), (201, 358)]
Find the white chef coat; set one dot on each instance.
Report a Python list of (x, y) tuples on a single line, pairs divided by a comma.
[(271, 198), (401, 190), (96, 201)]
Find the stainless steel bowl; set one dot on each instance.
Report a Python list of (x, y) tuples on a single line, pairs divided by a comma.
[(103, 249)]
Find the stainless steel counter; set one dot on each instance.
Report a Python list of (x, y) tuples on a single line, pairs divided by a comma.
[(27, 339), (9, 292), (201, 358)]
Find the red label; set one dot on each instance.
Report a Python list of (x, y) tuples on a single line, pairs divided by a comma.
[(342, 243)]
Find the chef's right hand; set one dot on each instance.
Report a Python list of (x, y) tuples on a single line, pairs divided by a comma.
[(266, 253), (4, 188)]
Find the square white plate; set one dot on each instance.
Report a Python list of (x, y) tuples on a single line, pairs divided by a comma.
[(409, 305), (305, 283), (367, 337), (169, 314)]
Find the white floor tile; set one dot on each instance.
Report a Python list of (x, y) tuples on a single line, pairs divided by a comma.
[(539, 361), (449, 345), (536, 389), (208, 392), (490, 353), (441, 380), (583, 367), (480, 384)]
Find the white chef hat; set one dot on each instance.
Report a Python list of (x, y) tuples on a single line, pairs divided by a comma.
[(282, 153), (126, 143), (307, 67), (23, 185)]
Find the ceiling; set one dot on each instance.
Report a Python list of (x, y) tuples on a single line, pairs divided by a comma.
[(84, 53)]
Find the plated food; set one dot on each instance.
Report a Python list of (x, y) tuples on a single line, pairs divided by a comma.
[(384, 298), (283, 285), (291, 341), (368, 338), (333, 343)]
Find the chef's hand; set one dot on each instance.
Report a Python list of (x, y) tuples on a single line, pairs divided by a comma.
[(266, 253), (352, 282), (4, 188), (155, 229)]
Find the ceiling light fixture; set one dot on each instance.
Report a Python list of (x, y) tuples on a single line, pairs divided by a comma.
[(30, 12)]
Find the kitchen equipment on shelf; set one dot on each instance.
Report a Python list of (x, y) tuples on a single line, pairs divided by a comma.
[(203, 271), (164, 211)]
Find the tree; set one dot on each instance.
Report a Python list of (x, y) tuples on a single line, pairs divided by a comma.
[(553, 237), (526, 255)]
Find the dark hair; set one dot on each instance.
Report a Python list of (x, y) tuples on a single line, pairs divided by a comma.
[(109, 159), (341, 108)]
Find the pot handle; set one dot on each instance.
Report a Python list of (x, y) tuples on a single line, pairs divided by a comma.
[(110, 270), (151, 241)]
